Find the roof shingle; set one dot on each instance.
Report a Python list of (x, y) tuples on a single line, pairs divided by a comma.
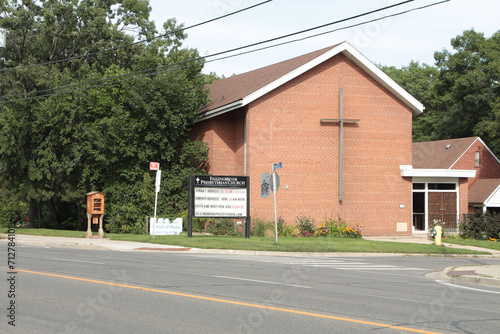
[(481, 189), (235, 88), (440, 154)]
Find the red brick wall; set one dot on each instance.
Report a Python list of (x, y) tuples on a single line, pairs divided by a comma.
[(284, 126), (463, 188), (225, 138), (488, 168)]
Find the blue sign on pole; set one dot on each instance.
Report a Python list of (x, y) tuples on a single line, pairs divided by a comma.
[(279, 165)]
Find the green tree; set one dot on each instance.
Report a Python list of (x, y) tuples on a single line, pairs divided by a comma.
[(96, 134), (469, 85), (461, 93), (420, 81)]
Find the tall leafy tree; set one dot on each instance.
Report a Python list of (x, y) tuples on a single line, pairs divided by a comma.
[(461, 93), (469, 84), (420, 81), (96, 120)]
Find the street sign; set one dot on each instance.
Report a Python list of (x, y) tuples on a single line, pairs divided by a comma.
[(158, 180), (279, 165), (275, 178), (154, 166), (264, 185)]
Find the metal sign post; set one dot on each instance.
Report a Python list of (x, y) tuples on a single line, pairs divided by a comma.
[(156, 166), (275, 187)]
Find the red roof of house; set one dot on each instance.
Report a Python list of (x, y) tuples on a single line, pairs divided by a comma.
[(234, 92), (235, 88), (481, 189), (440, 154)]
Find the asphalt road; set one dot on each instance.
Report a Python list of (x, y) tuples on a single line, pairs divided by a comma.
[(60, 290)]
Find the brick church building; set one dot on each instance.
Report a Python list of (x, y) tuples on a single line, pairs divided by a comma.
[(341, 128)]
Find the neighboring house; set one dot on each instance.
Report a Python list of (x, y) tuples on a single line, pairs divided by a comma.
[(451, 178), (484, 196), (339, 125)]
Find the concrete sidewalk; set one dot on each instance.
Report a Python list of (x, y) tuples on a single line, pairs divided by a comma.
[(26, 239), (484, 275)]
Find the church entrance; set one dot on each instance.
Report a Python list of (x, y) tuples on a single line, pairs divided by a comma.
[(434, 201), (443, 207)]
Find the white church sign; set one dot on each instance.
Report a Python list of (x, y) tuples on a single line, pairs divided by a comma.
[(218, 196), (164, 226)]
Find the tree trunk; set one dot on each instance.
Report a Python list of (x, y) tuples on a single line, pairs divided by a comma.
[(32, 213), (53, 213), (81, 220)]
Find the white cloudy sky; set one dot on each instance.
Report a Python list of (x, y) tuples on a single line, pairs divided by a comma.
[(394, 41)]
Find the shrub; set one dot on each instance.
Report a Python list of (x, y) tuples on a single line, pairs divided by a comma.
[(290, 230), (198, 224), (340, 229), (322, 230), (222, 227), (280, 226), (481, 226), (259, 227), (305, 225)]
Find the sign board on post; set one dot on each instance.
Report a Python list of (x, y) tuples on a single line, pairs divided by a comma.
[(164, 226), (158, 180), (275, 182), (217, 196), (154, 166), (275, 185), (264, 185)]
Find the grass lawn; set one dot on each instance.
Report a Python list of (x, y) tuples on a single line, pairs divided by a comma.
[(285, 244), (477, 243)]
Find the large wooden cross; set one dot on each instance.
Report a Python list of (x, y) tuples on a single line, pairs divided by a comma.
[(340, 121)]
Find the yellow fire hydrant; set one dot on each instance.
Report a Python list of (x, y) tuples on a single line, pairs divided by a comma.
[(437, 237)]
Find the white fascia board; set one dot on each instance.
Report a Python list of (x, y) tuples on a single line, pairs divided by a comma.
[(409, 171), (382, 78), (221, 110), (359, 59), (350, 52), (486, 202), (293, 74)]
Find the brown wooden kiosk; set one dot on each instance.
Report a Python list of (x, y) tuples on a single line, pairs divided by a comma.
[(95, 213)]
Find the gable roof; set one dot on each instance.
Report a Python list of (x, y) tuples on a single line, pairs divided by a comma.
[(482, 189), (440, 154), (238, 91)]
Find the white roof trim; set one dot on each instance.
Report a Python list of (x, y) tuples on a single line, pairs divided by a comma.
[(482, 142), (350, 52), (409, 171), (486, 202), (382, 78), (221, 110)]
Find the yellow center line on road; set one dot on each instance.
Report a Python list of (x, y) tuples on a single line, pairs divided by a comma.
[(317, 315)]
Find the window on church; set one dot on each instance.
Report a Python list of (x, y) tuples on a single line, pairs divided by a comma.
[(419, 186), (476, 159), (442, 186)]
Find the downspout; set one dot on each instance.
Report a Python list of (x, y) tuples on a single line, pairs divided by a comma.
[(245, 112)]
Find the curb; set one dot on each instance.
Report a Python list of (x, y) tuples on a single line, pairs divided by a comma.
[(478, 279)]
